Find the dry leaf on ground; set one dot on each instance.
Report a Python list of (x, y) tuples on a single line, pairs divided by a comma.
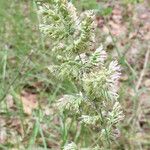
[(29, 102)]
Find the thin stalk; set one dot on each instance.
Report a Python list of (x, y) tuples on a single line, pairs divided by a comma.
[(5, 64), (63, 130), (120, 55), (33, 136), (42, 135), (102, 121), (16, 77)]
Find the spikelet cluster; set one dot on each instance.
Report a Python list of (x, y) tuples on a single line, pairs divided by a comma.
[(70, 146), (77, 60), (73, 146)]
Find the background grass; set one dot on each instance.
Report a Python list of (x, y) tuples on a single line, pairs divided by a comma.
[(24, 58)]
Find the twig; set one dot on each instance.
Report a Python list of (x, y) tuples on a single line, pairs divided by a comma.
[(139, 82), (143, 71), (141, 78), (137, 114)]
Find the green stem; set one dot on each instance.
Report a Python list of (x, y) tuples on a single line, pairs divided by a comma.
[(102, 122)]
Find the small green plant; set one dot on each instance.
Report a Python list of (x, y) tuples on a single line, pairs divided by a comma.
[(132, 1), (94, 5), (94, 105), (86, 4)]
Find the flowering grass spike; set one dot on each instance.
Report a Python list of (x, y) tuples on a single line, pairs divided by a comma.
[(78, 61)]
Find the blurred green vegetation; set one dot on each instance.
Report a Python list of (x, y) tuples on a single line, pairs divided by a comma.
[(24, 58)]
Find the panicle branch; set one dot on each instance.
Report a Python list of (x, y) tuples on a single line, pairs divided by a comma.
[(76, 59)]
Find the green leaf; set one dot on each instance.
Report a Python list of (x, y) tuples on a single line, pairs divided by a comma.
[(104, 11)]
